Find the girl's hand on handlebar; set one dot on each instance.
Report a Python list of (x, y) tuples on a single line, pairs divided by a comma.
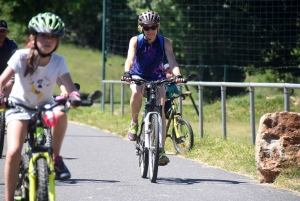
[(74, 99), (64, 94)]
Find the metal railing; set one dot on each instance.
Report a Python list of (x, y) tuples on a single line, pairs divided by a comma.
[(223, 85)]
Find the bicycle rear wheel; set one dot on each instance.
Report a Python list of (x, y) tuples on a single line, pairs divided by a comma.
[(154, 148), (21, 192), (185, 141), (42, 180), (2, 132), (143, 153)]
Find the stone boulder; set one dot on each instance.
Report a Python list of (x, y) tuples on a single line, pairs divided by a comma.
[(277, 144)]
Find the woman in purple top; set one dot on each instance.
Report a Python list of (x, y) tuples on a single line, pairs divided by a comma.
[(146, 61)]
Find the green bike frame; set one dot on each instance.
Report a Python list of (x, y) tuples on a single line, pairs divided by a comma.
[(32, 175)]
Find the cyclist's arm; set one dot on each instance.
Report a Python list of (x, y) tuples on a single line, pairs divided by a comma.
[(62, 87), (6, 77), (68, 83), (130, 54), (171, 58)]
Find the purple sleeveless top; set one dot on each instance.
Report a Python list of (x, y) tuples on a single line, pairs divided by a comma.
[(148, 61)]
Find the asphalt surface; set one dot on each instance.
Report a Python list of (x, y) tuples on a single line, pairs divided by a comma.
[(104, 167)]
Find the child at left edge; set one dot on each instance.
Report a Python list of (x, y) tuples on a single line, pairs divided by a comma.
[(36, 71)]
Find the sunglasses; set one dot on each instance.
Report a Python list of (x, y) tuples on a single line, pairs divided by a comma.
[(154, 27)]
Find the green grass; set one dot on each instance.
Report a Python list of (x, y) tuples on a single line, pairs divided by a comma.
[(235, 154)]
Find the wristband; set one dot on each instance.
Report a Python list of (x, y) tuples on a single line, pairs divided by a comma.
[(75, 93)]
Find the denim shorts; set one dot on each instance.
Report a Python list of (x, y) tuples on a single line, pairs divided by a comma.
[(19, 113)]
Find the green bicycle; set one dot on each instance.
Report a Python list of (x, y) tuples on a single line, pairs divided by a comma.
[(178, 128), (36, 170)]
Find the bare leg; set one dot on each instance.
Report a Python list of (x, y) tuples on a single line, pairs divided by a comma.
[(136, 102), (58, 131), (16, 133)]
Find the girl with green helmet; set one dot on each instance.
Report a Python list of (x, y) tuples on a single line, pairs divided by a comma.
[(36, 71)]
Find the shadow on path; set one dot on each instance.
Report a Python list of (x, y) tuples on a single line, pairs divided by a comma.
[(187, 181)]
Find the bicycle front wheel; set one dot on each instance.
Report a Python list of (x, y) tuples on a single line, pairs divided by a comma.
[(143, 153), (42, 180), (184, 140), (154, 148), (2, 132)]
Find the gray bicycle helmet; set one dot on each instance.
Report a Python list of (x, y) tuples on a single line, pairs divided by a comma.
[(149, 17), (47, 23)]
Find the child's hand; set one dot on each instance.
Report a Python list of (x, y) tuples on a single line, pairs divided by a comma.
[(188, 93), (74, 99), (64, 94)]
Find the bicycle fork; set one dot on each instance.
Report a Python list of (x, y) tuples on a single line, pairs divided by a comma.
[(148, 131), (32, 175)]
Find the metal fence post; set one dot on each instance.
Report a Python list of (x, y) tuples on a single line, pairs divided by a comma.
[(252, 114), (103, 53), (122, 98), (111, 89), (286, 99), (180, 101), (223, 97), (103, 97), (200, 97)]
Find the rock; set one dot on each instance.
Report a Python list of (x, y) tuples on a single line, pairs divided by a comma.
[(277, 144)]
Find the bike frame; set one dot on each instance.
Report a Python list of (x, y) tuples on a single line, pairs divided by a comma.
[(174, 116), (150, 105)]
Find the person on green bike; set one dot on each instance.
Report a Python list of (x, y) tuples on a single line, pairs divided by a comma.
[(171, 90), (146, 61), (36, 71)]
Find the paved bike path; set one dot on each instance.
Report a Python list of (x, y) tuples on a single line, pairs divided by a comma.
[(104, 167)]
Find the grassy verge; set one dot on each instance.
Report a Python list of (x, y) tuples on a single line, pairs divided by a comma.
[(235, 154)]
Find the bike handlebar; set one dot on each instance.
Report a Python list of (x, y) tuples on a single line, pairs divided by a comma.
[(182, 96), (141, 81)]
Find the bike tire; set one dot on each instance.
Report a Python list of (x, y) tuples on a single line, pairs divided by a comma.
[(154, 148), (143, 154), (42, 180), (22, 192), (186, 140), (2, 132)]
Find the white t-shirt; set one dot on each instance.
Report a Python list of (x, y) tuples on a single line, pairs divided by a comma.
[(38, 88)]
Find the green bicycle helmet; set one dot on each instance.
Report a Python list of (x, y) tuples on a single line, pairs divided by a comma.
[(47, 23)]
